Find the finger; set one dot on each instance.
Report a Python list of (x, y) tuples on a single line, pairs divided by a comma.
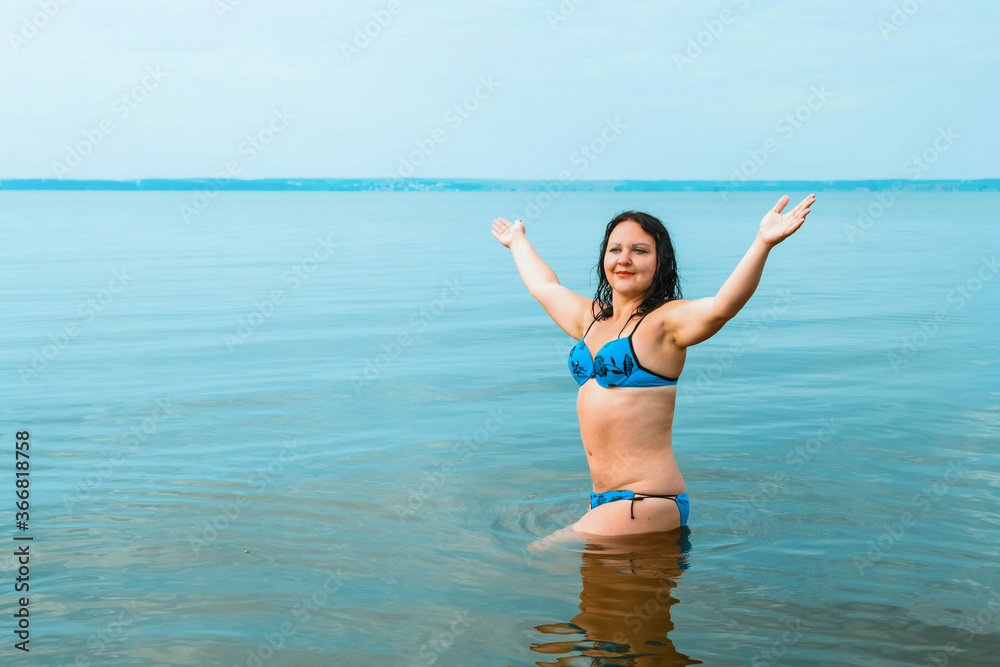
[(781, 204), (803, 204), (807, 201)]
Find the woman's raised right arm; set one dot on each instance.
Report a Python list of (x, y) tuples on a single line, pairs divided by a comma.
[(566, 307), (533, 269)]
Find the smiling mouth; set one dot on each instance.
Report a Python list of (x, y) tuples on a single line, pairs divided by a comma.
[(623, 273)]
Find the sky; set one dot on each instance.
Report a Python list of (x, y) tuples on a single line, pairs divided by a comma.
[(510, 89)]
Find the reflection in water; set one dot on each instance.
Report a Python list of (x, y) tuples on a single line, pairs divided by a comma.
[(625, 604)]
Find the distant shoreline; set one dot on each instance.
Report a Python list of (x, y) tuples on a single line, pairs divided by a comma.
[(493, 185)]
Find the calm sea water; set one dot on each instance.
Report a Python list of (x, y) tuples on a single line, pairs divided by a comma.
[(322, 428)]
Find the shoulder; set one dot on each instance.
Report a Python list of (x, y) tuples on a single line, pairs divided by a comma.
[(596, 311), (688, 322), (667, 312), (667, 317)]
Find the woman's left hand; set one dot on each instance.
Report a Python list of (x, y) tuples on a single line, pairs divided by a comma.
[(775, 227)]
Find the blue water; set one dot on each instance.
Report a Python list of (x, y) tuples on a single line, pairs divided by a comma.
[(316, 428)]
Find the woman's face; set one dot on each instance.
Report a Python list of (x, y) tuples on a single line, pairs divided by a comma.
[(630, 260)]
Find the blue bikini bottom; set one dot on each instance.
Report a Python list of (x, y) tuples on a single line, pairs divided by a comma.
[(681, 499)]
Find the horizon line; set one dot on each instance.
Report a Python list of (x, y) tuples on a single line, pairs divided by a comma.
[(490, 184)]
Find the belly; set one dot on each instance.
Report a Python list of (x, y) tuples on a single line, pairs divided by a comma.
[(626, 432)]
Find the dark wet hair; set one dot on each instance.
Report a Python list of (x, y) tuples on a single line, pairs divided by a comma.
[(666, 283)]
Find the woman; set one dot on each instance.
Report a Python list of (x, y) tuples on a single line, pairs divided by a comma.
[(628, 386)]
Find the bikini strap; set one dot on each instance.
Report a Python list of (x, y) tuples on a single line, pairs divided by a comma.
[(626, 324), (623, 326), (643, 496), (591, 322), (638, 323)]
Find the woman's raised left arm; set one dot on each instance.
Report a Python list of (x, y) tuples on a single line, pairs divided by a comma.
[(691, 322)]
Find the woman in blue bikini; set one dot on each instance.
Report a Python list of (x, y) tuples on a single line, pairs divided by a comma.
[(629, 385)]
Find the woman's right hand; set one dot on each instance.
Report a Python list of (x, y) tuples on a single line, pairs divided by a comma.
[(506, 231)]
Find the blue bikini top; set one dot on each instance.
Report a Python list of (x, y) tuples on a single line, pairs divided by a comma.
[(614, 365)]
